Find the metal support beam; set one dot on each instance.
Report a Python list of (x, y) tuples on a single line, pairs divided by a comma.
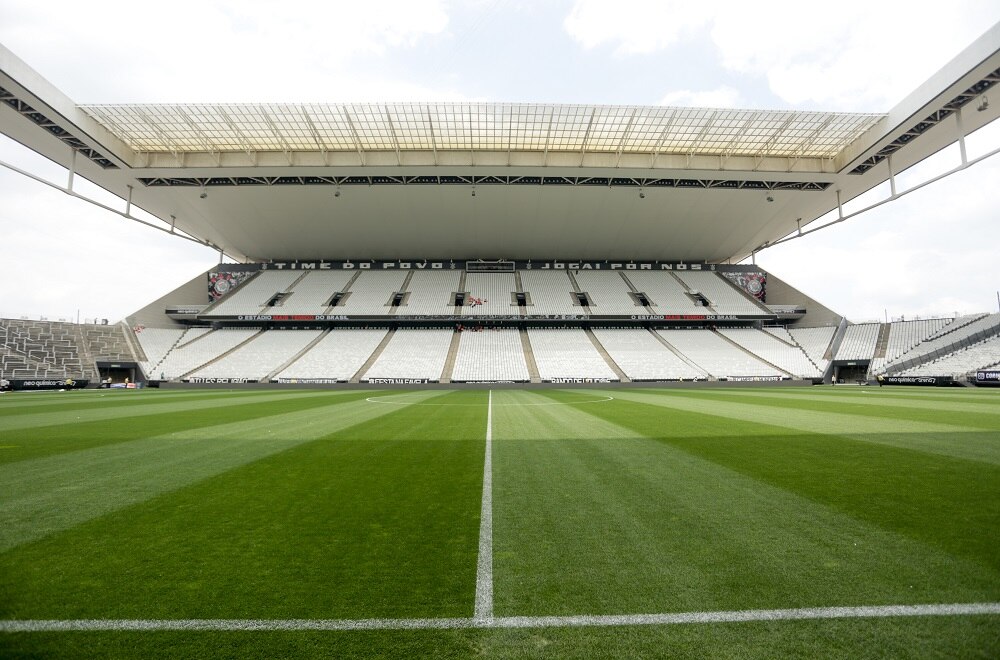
[(285, 147), (586, 136), (430, 127), (206, 143), (155, 127), (625, 134), (250, 151), (840, 210), (392, 129), (111, 209), (763, 152), (663, 139), (315, 133)]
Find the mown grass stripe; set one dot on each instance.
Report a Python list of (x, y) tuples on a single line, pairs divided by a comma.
[(578, 621), (380, 519), (39, 442), (594, 515), (949, 440), (946, 502), (871, 398), (53, 417), (18, 403), (42, 496)]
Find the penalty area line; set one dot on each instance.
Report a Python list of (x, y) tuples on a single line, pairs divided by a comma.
[(580, 621)]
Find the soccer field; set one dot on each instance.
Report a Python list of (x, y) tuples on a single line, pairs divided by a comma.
[(508, 523)]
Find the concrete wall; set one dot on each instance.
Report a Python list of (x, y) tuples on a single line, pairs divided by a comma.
[(193, 292), (780, 292)]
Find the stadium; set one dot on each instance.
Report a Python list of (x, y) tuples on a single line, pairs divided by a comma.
[(497, 379)]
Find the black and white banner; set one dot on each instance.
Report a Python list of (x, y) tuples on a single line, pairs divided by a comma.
[(309, 381), (988, 377), (919, 380), (753, 379), (576, 381), (480, 265), (48, 384), (399, 381), (221, 381)]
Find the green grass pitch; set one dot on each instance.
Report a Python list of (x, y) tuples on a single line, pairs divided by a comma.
[(347, 505)]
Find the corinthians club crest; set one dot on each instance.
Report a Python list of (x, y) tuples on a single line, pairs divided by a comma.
[(219, 284), (753, 283)]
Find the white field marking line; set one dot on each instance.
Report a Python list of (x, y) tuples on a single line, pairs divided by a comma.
[(484, 570), (376, 399), (579, 621)]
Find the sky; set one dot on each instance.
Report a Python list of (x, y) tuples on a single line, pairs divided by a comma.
[(926, 254)]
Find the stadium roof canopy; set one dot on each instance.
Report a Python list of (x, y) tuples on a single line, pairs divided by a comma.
[(492, 127), (487, 180)]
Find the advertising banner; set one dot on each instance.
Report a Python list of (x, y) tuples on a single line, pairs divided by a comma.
[(48, 384), (221, 381), (753, 379), (399, 381), (988, 377), (309, 381), (928, 381), (581, 380)]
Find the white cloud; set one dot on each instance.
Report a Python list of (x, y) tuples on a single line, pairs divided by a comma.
[(720, 97), (857, 55), (62, 255), (634, 26), (216, 51), (927, 253)]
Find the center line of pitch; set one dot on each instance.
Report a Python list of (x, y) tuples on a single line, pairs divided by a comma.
[(484, 572)]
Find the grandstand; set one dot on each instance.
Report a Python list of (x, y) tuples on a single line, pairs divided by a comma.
[(373, 257), (721, 358), (549, 292), (337, 357), (529, 325), (411, 356), (644, 356), (568, 355), (491, 356), (431, 293)]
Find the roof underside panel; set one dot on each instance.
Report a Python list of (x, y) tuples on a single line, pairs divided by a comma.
[(480, 127)]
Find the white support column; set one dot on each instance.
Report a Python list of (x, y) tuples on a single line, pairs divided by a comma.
[(961, 137), (72, 170)]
